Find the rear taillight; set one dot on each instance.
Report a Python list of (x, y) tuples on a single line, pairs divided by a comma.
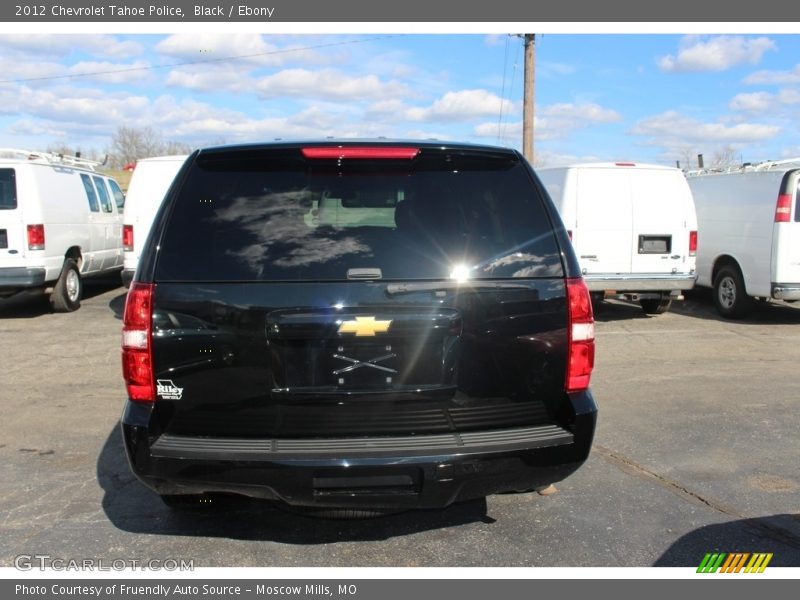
[(137, 354), (361, 152), (569, 233), (692, 243), (35, 237), (127, 238), (580, 357), (783, 209)]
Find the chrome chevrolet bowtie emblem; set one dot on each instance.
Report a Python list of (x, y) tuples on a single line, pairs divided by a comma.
[(364, 326), (371, 363)]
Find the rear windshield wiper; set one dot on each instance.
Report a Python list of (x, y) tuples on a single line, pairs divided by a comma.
[(435, 286)]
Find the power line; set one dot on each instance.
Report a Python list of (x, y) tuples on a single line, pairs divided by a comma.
[(198, 62), (503, 91)]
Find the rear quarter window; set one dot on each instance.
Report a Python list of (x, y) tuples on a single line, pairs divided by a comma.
[(275, 216), (8, 189)]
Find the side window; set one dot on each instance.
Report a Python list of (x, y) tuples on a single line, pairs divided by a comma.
[(102, 191), (119, 197), (91, 195)]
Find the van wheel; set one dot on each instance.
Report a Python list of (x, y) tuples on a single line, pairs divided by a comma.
[(597, 302), (66, 296), (656, 306), (730, 296)]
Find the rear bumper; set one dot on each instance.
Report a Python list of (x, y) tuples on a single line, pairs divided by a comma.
[(17, 279), (369, 472), (786, 291), (639, 282)]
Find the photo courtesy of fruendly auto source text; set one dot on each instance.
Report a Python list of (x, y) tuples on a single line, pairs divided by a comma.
[(366, 300)]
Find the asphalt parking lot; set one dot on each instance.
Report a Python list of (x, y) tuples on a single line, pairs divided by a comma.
[(696, 450)]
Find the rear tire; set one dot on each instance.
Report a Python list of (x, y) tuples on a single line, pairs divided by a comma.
[(597, 302), (730, 295), (656, 306), (66, 296)]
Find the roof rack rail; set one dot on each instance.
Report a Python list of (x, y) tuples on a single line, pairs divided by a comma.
[(766, 165), (772, 164), (53, 158)]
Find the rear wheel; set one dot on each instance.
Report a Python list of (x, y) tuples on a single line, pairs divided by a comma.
[(730, 296), (656, 306), (597, 302), (66, 296)]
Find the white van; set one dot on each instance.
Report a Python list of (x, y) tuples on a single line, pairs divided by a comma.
[(60, 221), (750, 234), (149, 184), (633, 227)]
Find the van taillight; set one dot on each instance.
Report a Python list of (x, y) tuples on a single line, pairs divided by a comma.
[(137, 352), (127, 238), (692, 243), (580, 357), (35, 237), (783, 209), (569, 233)]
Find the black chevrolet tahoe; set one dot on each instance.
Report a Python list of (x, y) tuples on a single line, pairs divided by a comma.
[(358, 326)]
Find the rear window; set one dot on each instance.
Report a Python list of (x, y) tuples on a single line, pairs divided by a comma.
[(8, 189), (119, 197), (275, 216)]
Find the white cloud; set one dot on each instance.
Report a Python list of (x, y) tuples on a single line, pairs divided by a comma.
[(252, 48), (765, 102), (585, 112), (716, 53), (13, 69), (499, 130), (789, 96), (461, 106), (554, 121), (106, 46), (209, 78), (755, 102), (108, 72), (774, 77), (328, 84), (674, 131)]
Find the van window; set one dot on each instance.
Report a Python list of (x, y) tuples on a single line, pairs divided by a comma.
[(102, 191), (797, 203), (8, 189), (119, 197), (269, 217), (91, 195)]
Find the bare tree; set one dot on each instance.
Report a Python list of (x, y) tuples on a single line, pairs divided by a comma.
[(726, 157), (130, 144), (687, 156), (176, 148)]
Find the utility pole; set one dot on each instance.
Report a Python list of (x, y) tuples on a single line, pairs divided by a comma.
[(528, 98)]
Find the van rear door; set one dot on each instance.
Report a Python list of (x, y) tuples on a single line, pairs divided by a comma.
[(604, 220), (13, 244), (786, 234), (661, 220)]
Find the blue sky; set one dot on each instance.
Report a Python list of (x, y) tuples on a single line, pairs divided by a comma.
[(649, 98)]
